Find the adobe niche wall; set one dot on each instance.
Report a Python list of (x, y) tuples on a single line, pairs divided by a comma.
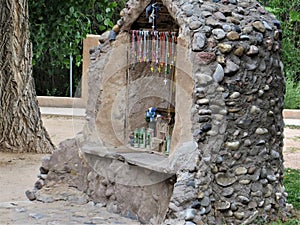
[(226, 165)]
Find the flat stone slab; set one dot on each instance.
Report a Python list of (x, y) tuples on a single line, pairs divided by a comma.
[(142, 158)]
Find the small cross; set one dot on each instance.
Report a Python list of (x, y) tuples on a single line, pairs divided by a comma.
[(165, 81)]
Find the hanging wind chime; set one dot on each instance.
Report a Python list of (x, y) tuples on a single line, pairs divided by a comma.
[(156, 48)]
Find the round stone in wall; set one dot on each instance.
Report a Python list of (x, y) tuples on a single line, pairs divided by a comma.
[(219, 74), (219, 34), (233, 36), (240, 170), (195, 25), (224, 180), (225, 48), (258, 25), (232, 145)]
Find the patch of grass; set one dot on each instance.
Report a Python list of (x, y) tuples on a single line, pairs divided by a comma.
[(291, 182), (293, 149), (297, 138), (291, 99), (292, 126), (290, 222)]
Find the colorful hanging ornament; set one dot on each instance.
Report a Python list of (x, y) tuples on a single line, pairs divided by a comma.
[(149, 47), (172, 48), (153, 51), (158, 55), (174, 40), (163, 48), (167, 53), (140, 44), (158, 48), (145, 46)]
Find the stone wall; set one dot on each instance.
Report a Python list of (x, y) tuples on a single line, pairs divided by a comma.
[(237, 112), (134, 192), (232, 55), (237, 115)]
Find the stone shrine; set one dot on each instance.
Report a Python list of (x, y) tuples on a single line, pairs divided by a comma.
[(212, 70)]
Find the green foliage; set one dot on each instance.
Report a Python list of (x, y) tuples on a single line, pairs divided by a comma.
[(292, 95), (292, 126), (289, 222), (57, 30), (288, 12), (291, 182)]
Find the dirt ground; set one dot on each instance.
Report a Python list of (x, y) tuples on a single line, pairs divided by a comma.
[(18, 172), (291, 149)]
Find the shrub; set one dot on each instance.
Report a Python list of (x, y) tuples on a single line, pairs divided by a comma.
[(292, 95)]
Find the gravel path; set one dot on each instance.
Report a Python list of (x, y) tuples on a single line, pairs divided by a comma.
[(57, 213)]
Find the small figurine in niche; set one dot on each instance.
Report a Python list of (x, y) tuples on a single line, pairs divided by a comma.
[(131, 139), (152, 13), (150, 114)]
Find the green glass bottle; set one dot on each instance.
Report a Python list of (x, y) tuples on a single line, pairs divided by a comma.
[(142, 138), (148, 139), (136, 138)]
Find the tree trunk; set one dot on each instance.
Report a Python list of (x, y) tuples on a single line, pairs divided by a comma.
[(21, 128)]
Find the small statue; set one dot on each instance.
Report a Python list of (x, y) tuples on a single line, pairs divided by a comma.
[(153, 9)]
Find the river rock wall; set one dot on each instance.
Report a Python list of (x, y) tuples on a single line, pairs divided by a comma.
[(235, 49)]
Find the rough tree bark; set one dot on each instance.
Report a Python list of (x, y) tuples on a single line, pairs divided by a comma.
[(21, 128)]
